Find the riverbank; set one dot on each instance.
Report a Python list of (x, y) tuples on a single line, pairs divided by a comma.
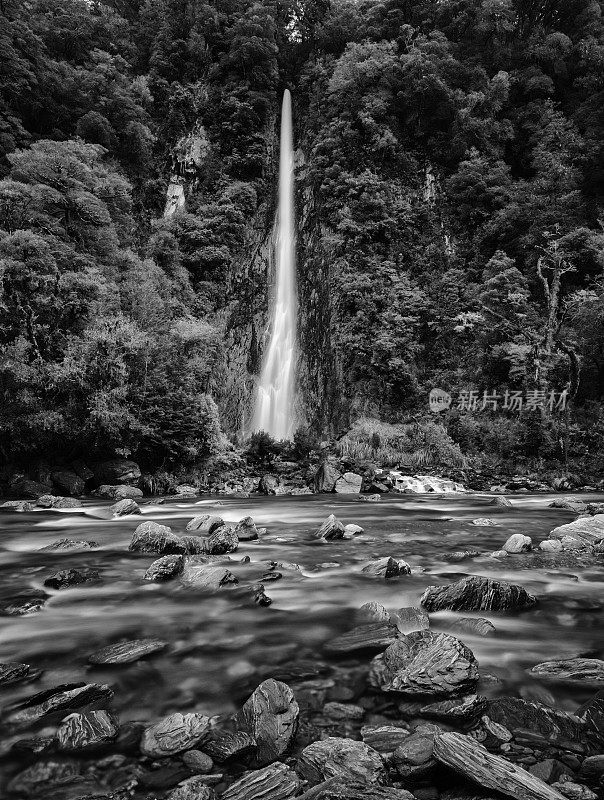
[(200, 643)]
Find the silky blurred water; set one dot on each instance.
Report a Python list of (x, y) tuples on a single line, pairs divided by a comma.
[(217, 642)]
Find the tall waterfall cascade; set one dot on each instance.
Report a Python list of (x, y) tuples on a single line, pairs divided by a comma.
[(274, 411)]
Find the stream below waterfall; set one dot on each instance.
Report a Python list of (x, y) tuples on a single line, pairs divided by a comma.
[(218, 643)]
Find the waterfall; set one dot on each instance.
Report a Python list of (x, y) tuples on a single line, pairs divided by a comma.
[(274, 411)]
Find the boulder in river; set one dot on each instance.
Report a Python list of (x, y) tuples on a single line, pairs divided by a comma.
[(221, 541), (18, 505), (351, 530), (387, 567), (518, 543), (325, 477), (270, 716), (51, 501), (12, 672), (165, 568), (484, 522), (51, 702), (501, 502), (88, 731), (206, 577), (477, 594), (332, 528), (585, 672), (583, 532), (124, 508), (551, 546), (65, 481), (246, 530), (372, 612), (65, 578), (470, 759), (275, 782), (372, 636), (205, 524), (174, 734), (116, 471), (127, 652), (345, 758), (348, 483), (151, 537), (478, 626), (425, 664), (118, 492), (194, 788), (68, 544)]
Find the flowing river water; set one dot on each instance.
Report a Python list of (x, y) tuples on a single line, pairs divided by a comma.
[(218, 642)]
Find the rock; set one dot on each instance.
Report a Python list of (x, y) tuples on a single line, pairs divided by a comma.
[(18, 505), (345, 758), (592, 714), (300, 490), (276, 782), (13, 672), (68, 482), (456, 711), (548, 770), (59, 699), (332, 528), (374, 636), (502, 502), (384, 739), (88, 731), (127, 652), (36, 781), (479, 626), (344, 711), (370, 498), (174, 734), (484, 522), (352, 530), (198, 762), (31, 490), (22, 603), (387, 568), (268, 484), (116, 471), (165, 568), (258, 594), (413, 758), (118, 492), (587, 672), (345, 789), (551, 546), (425, 664), (50, 501), (205, 524), (207, 577), (221, 541), (592, 769), (372, 612), (470, 759), (348, 483), (125, 507), (569, 504), (375, 487), (193, 545), (518, 543), (584, 532), (246, 530), (229, 744), (151, 537), (325, 477), (191, 789), (270, 716), (65, 578), (411, 619), (477, 594), (574, 791), (460, 555), (68, 544), (499, 554)]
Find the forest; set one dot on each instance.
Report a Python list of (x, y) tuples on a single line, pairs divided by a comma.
[(449, 192)]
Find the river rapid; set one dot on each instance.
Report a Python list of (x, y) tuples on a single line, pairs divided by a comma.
[(218, 644)]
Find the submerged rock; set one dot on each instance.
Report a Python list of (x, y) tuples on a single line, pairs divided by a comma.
[(479, 626), (165, 568), (484, 522), (477, 594), (411, 619), (151, 537), (270, 716), (65, 578), (348, 483), (518, 543), (425, 664), (13, 672), (587, 672), (371, 636), (370, 498), (276, 782), (387, 567), (332, 528), (372, 612), (345, 758), (127, 652), (68, 544), (28, 601), (87, 731), (173, 734)]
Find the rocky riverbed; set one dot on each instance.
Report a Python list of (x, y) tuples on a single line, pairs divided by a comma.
[(420, 646)]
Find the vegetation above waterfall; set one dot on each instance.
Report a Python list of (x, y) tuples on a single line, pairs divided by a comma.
[(450, 190)]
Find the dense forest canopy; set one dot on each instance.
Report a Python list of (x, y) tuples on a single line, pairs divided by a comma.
[(450, 196)]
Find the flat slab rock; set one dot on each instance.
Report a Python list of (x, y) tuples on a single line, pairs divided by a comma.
[(477, 594), (384, 738), (275, 782), (78, 732), (229, 744), (454, 711), (340, 758), (586, 531), (270, 716), (66, 578), (470, 759), (67, 697), (588, 672), (373, 636), (207, 577), (68, 544), (425, 664), (174, 734), (127, 652)]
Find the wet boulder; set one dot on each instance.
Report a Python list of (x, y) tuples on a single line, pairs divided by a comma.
[(12, 672), (518, 543), (346, 789), (348, 483), (372, 612), (116, 471), (351, 530), (124, 508), (197, 761), (325, 477), (120, 492), (151, 537), (225, 745), (387, 567), (413, 759), (372, 636), (551, 546), (501, 502), (275, 782), (221, 541), (484, 522), (582, 533), (477, 594), (18, 505), (206, 577), (341, 758), (174, 734), (165, 568), (477, 626), (270, 716), (66, 578), (52, 702), (332, 528), (205, 524), (384, 739), (585, 672), (412, 618), (66, 481), (68, 544), (592, 714), (425, 664), (127, 652), (28, 489), (246, 530), (85, 732)]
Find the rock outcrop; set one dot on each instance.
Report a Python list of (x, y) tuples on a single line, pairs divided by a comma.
[(477, 594)]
